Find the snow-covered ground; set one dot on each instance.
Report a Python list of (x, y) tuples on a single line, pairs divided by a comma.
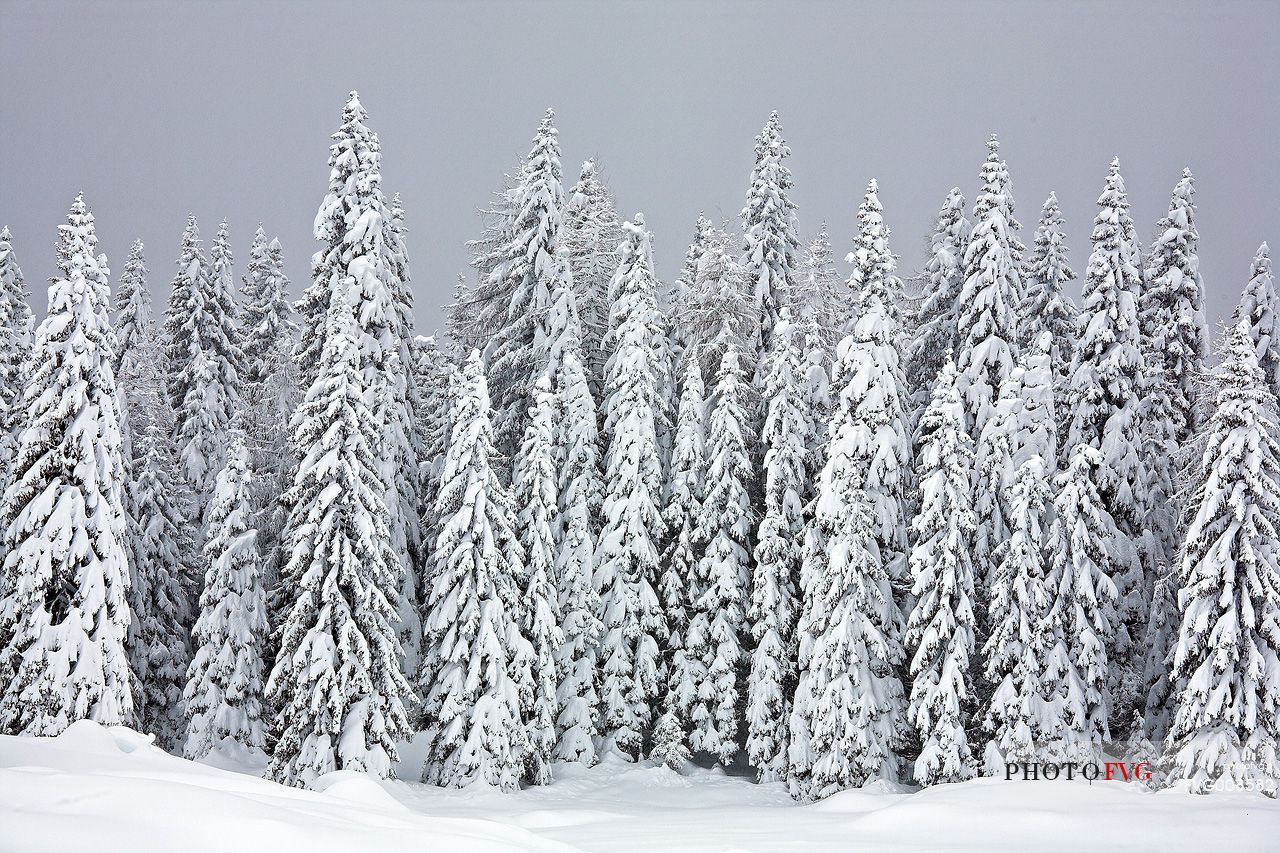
[(110, 790)]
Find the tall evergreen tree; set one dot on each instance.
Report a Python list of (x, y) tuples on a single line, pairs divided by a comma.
[(626, 575), (15, 345), (987, 327), (718, 615), (1084, 543), (1045, 307), (536, 496), (820, 304), (204, 359), (336, 683), (1228, 648), (937, 319), (132, 303), (577, 456), (1182, 334), (474, 649), (940, 632), (770, 241), (774, 600), (534, 264), (685, 493), (592, 235), (1105, 397), (717, 311), (1260, 306), (64, 612), (224, 685)]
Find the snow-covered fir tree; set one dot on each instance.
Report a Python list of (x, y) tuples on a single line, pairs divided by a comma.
[(1045, 307), (64, 611), (474, 650), (204, 360), (536, 490), (820, 304), (1083, 546), (1105, 397), (685, 492), (774, 598), (987, 324), (770, 241), (875, 388), (1162, 633), (534, 263), (15, 344), (626, 575), (717, 311), (1021, 714), (336, 683), (940, 631), (847, 722), (132, 301), (1174, 284), (683, 288), (1260, 306), (592, 235), (224, 688), (1225, 726), (580, 492), (159, 549), (938, 316), (717, 617)]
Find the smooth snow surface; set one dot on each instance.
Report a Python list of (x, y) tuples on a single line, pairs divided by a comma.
[(110, 790)]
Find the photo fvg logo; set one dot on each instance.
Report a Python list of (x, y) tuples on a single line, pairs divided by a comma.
[(1092, 771)]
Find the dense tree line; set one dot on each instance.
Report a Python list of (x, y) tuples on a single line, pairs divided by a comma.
[(838, 531)]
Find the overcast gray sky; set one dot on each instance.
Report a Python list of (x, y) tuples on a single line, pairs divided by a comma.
[(223, 109)]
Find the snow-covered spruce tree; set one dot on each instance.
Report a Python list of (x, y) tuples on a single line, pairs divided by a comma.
[(680, 585), (361, 254), (987, 325), (779, 539), (158, 550), (336, 683), (717, 616), (626, 575), (994, 465), (404, 434), (159, 547), (1045, 308), (1260, 306), (1162, 633), (1173, 277), (937, 318), (224, 685), (577, 457), (64, 611), (1105, 397), (683, 288), (875, 387), (820, 303), (769, 235), (15, 345), (669, 749), (534, 263), (1021, 712), (475, 660), (940, 630), (204, 360), (718, 310), (1084, 546), (847, 722), (592, 235), (1225, 726), (536, 490), (132, 301)]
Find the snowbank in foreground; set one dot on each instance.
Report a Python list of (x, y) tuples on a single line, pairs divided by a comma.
[(110, 790)]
